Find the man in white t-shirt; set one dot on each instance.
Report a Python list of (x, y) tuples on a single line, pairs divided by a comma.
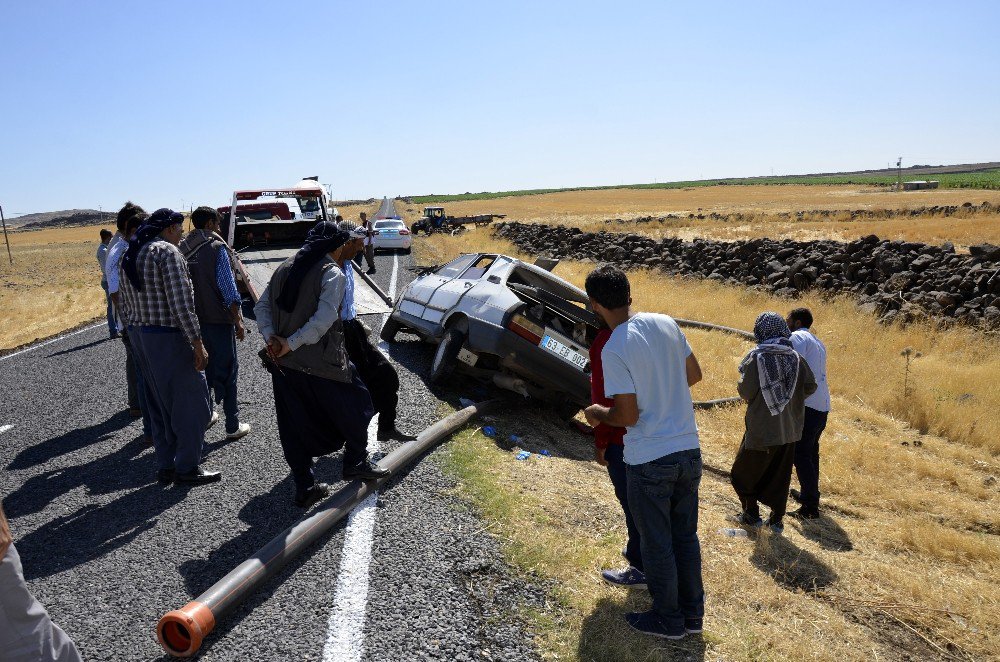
[(648, 371), (812, 349)]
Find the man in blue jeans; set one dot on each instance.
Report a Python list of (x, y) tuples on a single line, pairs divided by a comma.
[(648, 371)]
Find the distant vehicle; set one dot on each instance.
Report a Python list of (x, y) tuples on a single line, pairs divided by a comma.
[(435, 220), (392, 234), (502, 319)]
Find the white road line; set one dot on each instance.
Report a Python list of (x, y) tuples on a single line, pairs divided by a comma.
[(345, 640), (4, 428), (49, 342)]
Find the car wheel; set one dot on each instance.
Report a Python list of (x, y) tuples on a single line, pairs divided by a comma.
[(447, 355), (407, 250), (390, 329)]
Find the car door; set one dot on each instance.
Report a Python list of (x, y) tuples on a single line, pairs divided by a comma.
[(448, 295), (419, 293)]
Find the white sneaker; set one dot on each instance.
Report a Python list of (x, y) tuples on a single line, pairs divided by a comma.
[(241, 432), (214, 420)]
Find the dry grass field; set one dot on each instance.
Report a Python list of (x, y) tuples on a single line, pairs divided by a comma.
[(53, 285), (902, 566), (589, 209)]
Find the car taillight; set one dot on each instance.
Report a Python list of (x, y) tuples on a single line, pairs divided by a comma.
[(527, 329), (404, 232)]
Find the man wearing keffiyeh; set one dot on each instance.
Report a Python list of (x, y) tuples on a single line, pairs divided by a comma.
[(166, 337), (775, 381)]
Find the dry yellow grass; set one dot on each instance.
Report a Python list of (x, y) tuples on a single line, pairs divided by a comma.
[(904, 566), (54, 283), (588, 210)]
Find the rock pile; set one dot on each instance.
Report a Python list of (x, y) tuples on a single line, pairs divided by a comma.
[(965, 209), (900, 281)]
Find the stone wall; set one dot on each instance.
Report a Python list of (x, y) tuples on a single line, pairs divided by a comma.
[(899, 281)]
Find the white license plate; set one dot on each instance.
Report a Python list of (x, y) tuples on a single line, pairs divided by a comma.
[(467, 357), (565, 353), (390, 233)]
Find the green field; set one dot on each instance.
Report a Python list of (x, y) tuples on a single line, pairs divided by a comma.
[(985, 179)]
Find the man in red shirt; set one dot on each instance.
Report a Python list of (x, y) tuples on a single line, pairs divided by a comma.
[(609, 448)]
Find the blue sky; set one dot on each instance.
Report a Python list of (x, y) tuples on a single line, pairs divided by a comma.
[(172, 103)]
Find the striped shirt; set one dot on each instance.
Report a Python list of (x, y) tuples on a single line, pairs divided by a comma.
[(167, 297)]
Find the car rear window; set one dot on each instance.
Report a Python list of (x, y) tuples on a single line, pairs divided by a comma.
[(384, 225), (456, 266)]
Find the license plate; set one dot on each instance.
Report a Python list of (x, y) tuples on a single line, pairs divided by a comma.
[(390, 233), (564, 352), (467, 357)]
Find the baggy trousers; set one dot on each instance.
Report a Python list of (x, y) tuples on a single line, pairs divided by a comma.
[(379, 376), (27, 634), (318, 416), (181, 408), (617, 472), (807, 457), (763, 475), (136, 386), (663, 497), (223, 369)]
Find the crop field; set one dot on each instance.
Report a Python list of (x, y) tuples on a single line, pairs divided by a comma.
[(759, 207), (985, 179), (902, 566)]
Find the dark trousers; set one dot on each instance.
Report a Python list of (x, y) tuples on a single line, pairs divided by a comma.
[(136, 385), (223, 369), (112, 322), (180, 408), (318, 416), (376, 372), (130, 374), (617, 472), (807, 457), (663, 498), (763, 476)]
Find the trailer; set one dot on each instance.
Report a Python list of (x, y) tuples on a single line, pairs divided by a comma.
[(435, 220)]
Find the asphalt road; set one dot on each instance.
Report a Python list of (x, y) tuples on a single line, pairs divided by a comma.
[(108, 550)]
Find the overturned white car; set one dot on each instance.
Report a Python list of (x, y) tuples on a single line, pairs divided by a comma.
[(499, 318)]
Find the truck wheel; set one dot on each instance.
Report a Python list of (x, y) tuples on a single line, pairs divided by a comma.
[(390, 329), (415, 228), (447, 355)]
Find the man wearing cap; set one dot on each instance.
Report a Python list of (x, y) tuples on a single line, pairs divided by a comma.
[(320, 401), (376, 372), (159, 299)]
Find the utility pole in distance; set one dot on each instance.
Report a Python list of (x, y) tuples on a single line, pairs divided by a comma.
[(899, 174), (4, 222)]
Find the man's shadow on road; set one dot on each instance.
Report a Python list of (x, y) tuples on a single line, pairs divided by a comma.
[(69, 442), (94, 530)]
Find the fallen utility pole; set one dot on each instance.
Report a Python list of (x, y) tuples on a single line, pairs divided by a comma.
[(182, 631)]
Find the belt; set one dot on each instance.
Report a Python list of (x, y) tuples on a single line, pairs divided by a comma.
[(159, 329)]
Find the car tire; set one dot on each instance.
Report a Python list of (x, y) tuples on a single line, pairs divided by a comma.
[(390, 329), (407, 250), (446, 356)]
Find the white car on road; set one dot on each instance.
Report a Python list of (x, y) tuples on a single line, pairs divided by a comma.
[(392, 234)]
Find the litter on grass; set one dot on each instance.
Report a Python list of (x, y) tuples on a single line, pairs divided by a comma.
[(523, 455), (734, 533), (490, 431)]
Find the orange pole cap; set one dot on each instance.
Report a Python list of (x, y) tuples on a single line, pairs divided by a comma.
[(182, 631)]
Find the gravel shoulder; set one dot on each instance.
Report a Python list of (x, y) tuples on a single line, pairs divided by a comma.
[(108, 550)]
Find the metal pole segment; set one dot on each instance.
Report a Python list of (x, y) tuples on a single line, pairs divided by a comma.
[(182, 631), (371, 283)]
